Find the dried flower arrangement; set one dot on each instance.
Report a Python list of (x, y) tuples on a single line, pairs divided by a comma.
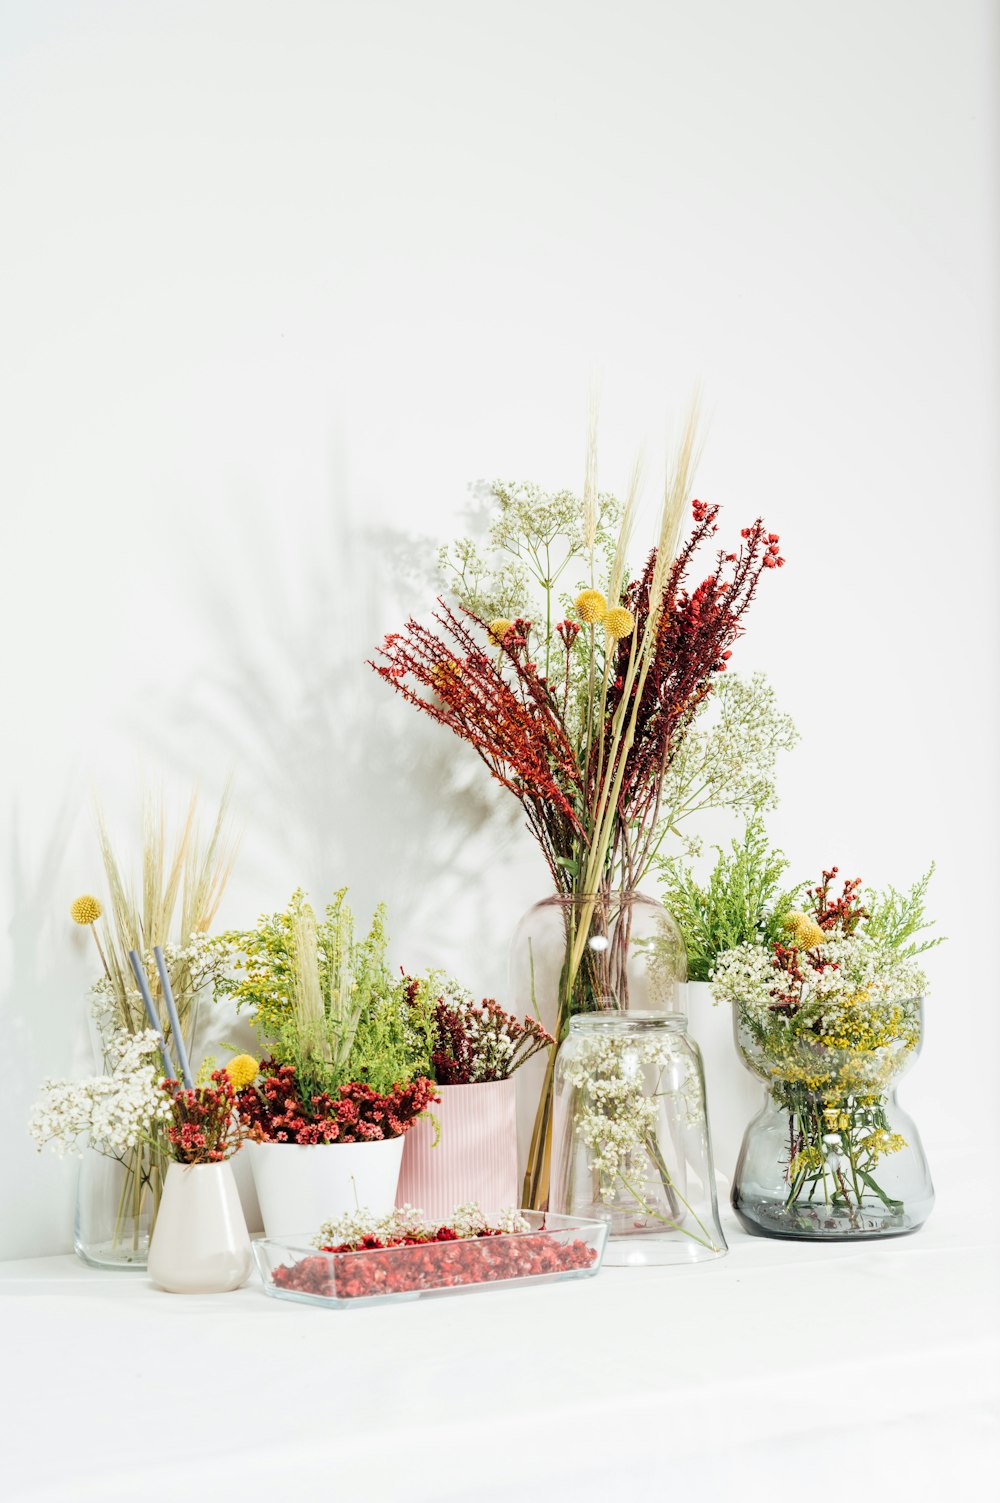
[(162, 918), (579, 703), (204, 1126)]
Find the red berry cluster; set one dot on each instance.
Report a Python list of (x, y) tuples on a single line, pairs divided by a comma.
[(844, 913), (355, 1114), (445, 1261)]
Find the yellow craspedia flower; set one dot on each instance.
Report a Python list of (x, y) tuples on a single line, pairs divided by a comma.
[(86, 910), (242, 1071), (591, 606), (498, 629), (619, 623), (804, 931)]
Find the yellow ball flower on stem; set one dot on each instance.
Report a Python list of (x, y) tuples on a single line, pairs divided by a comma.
[(804, 931), (242, 1071), (86, 910), (619, 623), (591, 606), (498, 629)]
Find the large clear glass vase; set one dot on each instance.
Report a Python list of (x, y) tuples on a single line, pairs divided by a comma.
[(630, 1141), (577, 955), (831, 1155)]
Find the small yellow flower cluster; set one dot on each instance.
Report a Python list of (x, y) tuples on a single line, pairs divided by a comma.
[(498, 629), (807, 1160), (881, 1142), (242, 1071), (86, 910)]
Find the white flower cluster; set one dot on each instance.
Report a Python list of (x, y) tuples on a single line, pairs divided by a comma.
[(727, 758), (112, 1113), (863, 973), (620, 1088), (491, 1049), (354, 1227)]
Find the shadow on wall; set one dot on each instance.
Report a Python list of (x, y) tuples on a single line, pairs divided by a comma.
[(338, 780), (42, 1032)]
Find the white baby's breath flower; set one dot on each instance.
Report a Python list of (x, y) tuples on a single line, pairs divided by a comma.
[(112, 1113)]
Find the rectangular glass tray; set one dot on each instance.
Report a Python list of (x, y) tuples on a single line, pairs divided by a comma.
[(553, 1249)]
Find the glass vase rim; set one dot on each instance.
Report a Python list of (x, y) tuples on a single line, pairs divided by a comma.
[(918, 999), (620, 1018), (619, 894)]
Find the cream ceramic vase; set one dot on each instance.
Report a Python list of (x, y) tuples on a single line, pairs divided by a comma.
[(200, 1243), (476, 1154), (301, 1185), (733, 1096)]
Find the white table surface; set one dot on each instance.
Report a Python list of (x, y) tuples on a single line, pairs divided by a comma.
[(819, 1370)]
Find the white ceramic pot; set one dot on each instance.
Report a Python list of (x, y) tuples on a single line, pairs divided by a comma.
[(733, 1095), (200, 1243), (301, 1185), (476, 1154)]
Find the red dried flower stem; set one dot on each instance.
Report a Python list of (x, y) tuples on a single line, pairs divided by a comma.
[(517, 731)]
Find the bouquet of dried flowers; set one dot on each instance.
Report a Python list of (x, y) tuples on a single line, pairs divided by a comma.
[(169, 907), (204, 1125), (579, 701)]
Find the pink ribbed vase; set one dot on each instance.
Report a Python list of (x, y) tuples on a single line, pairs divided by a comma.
[(476, 1155)]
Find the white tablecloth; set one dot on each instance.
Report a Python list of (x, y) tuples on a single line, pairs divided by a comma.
[(823, 1371)]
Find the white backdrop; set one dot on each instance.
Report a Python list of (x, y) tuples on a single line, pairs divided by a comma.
[(279, 280)]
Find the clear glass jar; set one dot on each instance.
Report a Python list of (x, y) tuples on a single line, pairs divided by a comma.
[(116, 1205), (831, 1155), (631, 1143), (574, 955)]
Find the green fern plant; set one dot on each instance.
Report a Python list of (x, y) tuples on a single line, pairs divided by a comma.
[(324, 1000), (741, 902), (895, 918)]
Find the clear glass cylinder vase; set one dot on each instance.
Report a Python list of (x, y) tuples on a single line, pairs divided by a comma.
[(116, 1204), (573, 955), (117, 1195), (631, 1142), (831, 1155)]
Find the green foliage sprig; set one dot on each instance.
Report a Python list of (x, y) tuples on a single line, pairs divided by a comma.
[(741, 902), (326, 1002), (895, 918)]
